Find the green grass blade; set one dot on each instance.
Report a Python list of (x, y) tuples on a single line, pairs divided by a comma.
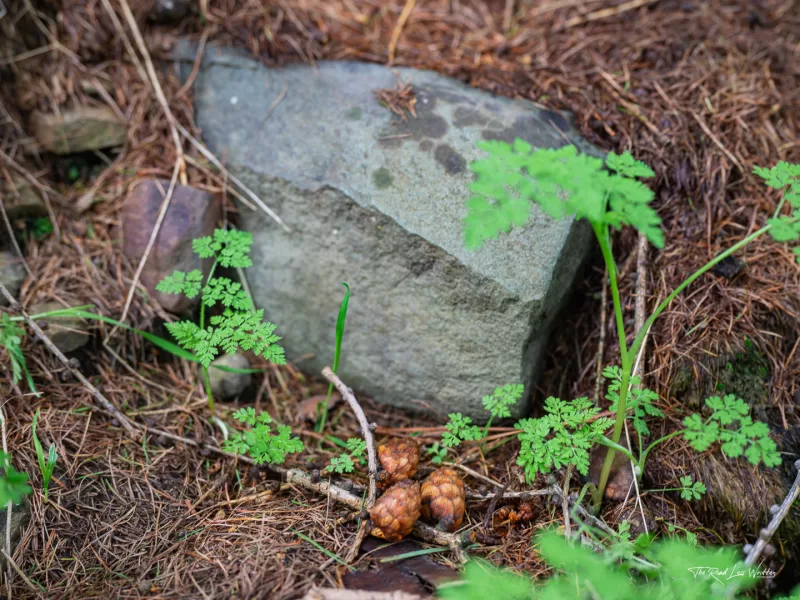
[(37, 444), (46, 465), (322, 549), (158, 341), (413, 554), (228, 369), (340, 320), (340, 327)]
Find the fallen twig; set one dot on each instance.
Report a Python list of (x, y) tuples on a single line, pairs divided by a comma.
[(607, 12), (565, 503), (180, 166), (778, 515), (235, 180), (316, 593), (398, 28), (524, 495), (372, 460), (101, 400)]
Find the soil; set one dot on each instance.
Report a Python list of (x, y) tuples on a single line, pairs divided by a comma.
[(701, 91)]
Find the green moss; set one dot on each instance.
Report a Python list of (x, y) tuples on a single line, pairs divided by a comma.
[(354, 114), (382, 178)]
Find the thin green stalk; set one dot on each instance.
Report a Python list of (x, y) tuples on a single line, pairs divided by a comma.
[(637, 342), (639, 339), (617, 447), (322, 549), (206, 380), (680, 489), (608, 257), (209, 393), (656, 443)]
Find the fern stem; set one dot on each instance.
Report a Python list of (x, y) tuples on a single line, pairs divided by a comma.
[(637, 342), (206, 380), (605, 247), (656, 443), (209, 394)]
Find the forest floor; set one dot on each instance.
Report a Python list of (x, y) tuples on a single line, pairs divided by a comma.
[(702, 91)]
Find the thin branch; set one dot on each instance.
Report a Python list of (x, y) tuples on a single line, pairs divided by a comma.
[(565, 502), (151, 72), (125, 39), (180, 166), (366, 431), (639, 317), (235, 180), (101, 400), (778, 515), (372, 460), (604, 13), (398, 28), (524, 495), (305, 480)]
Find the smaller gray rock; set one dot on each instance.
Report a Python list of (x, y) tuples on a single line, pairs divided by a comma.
[(20, 515), (68, 333), (79, 129), (23, 201), (12, 274), (224, 384)]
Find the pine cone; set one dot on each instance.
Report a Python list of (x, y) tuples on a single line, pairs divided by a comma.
[(399, 458), (394, 514), (443, 499)]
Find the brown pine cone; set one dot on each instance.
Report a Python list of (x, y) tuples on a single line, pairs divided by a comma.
[(443, 499), (394, 514), (399, 458)]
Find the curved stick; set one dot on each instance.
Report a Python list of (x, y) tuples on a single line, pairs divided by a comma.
[(779, 514)]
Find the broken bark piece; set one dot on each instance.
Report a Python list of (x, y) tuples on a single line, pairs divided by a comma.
[(78, 129)]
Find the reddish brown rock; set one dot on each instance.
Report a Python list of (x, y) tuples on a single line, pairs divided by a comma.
[(192, 213), (620, 479)]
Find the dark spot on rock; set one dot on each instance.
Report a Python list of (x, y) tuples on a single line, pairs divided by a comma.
[(446, 94), (495, 124), (425, 145), (465, 117), (451, 160), (354, 114), (382, 178), (427, 123), (491, 107), (391, 143), (556, 120), (531, 129)]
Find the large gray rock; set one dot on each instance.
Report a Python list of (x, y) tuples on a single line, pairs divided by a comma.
[(378, 202)]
